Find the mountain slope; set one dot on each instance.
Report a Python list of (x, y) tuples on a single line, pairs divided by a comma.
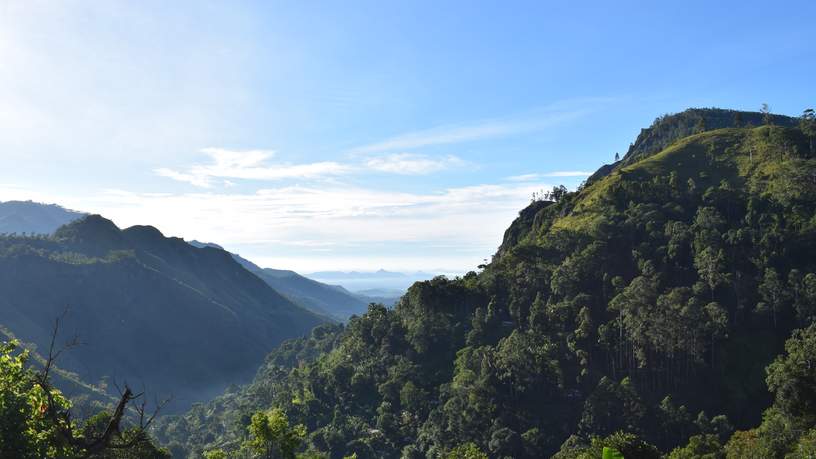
[(34, 218), (667, 129), (649, 301), (149, 309), (328, 300), (333, 300)]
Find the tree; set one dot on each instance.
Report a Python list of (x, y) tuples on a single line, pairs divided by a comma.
[(612, 407), (215, 454), (538, 314), (617, 156), (746, 443), (710, 264), (792, 377), (25, 429), (36, 420), (466, 451), (807, 123), (629, 445), (766, 114), (271, 436), (738, 119), (701, 125), (558, 193), (773, 293), (699, 447)]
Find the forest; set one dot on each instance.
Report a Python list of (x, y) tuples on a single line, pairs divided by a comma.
[(665, 308)]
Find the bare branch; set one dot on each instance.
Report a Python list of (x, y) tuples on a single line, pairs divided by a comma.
[(53, 353)]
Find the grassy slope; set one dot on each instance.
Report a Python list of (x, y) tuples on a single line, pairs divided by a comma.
[(740, 156)]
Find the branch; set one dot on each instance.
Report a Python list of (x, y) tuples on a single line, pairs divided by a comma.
[(52, 354), (61, 417)]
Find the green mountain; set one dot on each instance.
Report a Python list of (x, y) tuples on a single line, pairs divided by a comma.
[(667, 129), (18, 217), (328, 300), (638, 313), (150, 310)]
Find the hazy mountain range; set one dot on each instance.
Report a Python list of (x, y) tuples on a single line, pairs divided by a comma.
[(149, 309), (381, 281), (34, 218), (330, 300)]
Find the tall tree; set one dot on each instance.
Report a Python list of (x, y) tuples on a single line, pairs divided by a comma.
[(766, 114), (808, 125)]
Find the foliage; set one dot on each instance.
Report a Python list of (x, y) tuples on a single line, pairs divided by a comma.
[(34, 421), (466, 451), (25, 430), (271, 436), (648, 302)]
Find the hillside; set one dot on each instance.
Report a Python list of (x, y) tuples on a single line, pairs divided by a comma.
[(331, 301), (18, 217), (667, 129), (149, 310), (648, 302)]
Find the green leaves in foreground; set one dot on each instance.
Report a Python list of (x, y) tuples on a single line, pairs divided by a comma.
[(272, 436)]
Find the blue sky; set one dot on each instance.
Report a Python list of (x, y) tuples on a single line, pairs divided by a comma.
[(360, 135)]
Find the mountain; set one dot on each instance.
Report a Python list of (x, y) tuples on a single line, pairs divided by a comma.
[(648, 311), (356, 281), (667, 129), (386, 296), (34, 218), (149, 309), (328, 300)]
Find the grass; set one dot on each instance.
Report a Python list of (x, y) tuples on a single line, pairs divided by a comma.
[(761, 156)]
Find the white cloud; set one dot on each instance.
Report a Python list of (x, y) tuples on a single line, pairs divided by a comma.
[(195, 180), (537, 176), (314, 228), (249, 165), (413, 164)]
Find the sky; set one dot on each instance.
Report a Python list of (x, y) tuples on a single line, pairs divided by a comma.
[(359, 135)]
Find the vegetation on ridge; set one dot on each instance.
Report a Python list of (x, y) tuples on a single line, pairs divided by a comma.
[(638, 312)]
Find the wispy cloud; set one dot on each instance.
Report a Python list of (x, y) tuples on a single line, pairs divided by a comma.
[(413, 164), (252, 165), (485, 129), (538, 176), (249, 165)]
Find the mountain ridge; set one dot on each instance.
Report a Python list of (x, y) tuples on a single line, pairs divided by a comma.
[(184, 320), (668, 128), (331, 301), (639, 311)]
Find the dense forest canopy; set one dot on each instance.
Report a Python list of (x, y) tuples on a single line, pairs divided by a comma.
[(652, 310), (664, 309)]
